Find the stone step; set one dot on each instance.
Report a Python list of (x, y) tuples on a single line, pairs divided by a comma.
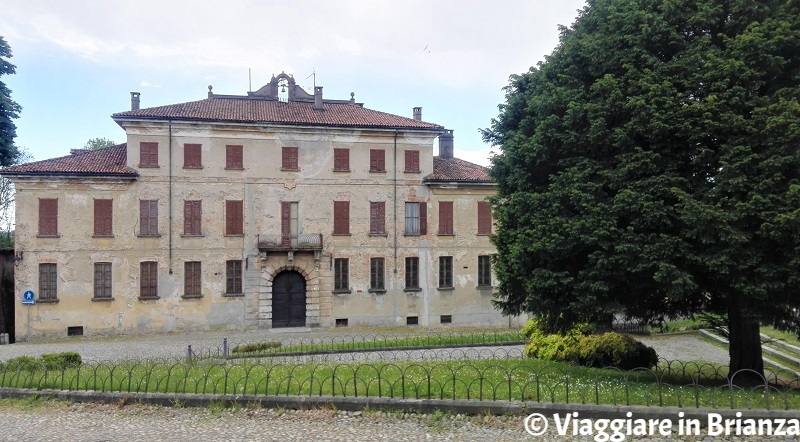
[(765, 349)]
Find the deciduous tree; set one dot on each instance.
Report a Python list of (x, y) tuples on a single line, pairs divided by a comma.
[(651, 166)]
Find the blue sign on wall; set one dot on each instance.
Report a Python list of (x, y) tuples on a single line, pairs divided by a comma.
[(27, 298)]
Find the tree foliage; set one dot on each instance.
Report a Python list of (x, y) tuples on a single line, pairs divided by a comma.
[(650, 166), (98, 143), (9, 110)]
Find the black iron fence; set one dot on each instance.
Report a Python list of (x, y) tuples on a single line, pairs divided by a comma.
[(512, 379)]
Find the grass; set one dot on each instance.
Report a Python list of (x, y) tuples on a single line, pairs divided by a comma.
[(383, 343), (691, 385), (787, 337)]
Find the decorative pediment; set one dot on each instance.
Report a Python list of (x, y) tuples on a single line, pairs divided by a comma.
[(282, 88)]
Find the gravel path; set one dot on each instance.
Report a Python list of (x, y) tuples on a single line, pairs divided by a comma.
[(686, 348), (60, 421)]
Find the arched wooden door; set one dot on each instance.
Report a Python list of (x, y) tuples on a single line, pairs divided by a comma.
[(289, 300)]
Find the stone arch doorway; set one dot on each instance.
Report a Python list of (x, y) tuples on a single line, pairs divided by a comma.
[(289, 300)]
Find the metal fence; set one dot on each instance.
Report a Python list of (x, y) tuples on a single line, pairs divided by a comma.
[(672, 383)]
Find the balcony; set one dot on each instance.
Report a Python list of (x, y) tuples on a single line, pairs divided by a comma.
[(304, 242)]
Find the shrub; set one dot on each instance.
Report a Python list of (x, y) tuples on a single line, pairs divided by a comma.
[(61, 360), (577, 346), (21, 363), (256, 347)]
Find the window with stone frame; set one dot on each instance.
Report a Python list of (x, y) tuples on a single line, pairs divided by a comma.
[(416, 216), (192, 217), (377, 160), (341, 275), (48, 217), (341, 160), (233, 157), (148, 280), (376, 274), (148, 217), (484, 218), (412, 161), (234, 219), (484, 271), (48, 282), (446, 218), (233, 277), (289, 159), (192, 279), (445, 272), (192, 156), (103, 217), (341, 217), (102, 280), (148, 154), (412, 272), (377, 218)]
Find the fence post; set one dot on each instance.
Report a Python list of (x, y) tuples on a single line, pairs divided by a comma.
[(224, 348), (189, 354)]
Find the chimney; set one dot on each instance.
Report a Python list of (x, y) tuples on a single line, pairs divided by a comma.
[(135, 100), (418, 113), (446, 144), (318, 98)]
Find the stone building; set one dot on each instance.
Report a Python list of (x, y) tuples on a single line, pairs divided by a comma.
[(274, 209)]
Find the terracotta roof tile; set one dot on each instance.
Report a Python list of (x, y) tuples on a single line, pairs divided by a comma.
[(107, 161), (454, 169), (246, 110)]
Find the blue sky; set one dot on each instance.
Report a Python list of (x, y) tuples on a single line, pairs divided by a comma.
[(78, 61)]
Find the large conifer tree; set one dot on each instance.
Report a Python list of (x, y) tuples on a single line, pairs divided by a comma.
[(651, 164), (9, 110)]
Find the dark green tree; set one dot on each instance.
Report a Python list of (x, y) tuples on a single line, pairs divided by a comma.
[(650, 166), (98, 143), (9, 110)]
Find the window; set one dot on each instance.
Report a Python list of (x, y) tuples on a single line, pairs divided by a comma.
[(484, 271), (148, 217), (412, 161), (341, 322), (377, 218), (445, 271), (412, 320), (102, 280), (446, 319), (416, 219), (341, 160), (341, 217), (148, 280), (445, 217), (412, 272), (192, 156), (48, 217), (289, 159), (290, 223), (376, 275), (234, 219), (191, 279), (102, 217), (233, 277), (48, 282), (484, 218), (192, 213), (341, 275), (148, 154), (377, 160), (233, 157)]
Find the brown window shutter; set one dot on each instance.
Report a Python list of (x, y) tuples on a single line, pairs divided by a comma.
[(377, 217), (341, 217), (233, 157), (341, 159), (289, 158), (187, 217), (48, 216), (377, 160), (197, 216), (382, 217), (286, 215), (153, 214), (412, 161), (445, 217), (102, 217), (484, 218), (285, 161), (148, 154), (234, 218), (191, 156), (144, 217), (423, 218)]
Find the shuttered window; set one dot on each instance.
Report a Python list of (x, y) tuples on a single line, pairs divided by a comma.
[(191, 279), (484, 218), (148, 279), (289, 159), (233, 157), (416, 218), (412, 161), (377, 160), (234, 219), (341, 274), (48, 281), (233, 277), (48, 217), (102, 280), (445, 271), (192, 156), (192, 214), (377, 218), (376, 274), (341, 217), (102, 217), (148, 217), (341, 160), (484, 271), (445, 218), (412, 272), (148, 154)]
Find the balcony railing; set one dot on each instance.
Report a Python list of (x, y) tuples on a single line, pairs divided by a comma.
[(303, 241)]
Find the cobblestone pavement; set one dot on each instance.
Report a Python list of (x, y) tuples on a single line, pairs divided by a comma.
[(61, 421)]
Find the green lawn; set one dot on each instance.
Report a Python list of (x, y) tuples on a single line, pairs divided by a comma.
[(506, 379)]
